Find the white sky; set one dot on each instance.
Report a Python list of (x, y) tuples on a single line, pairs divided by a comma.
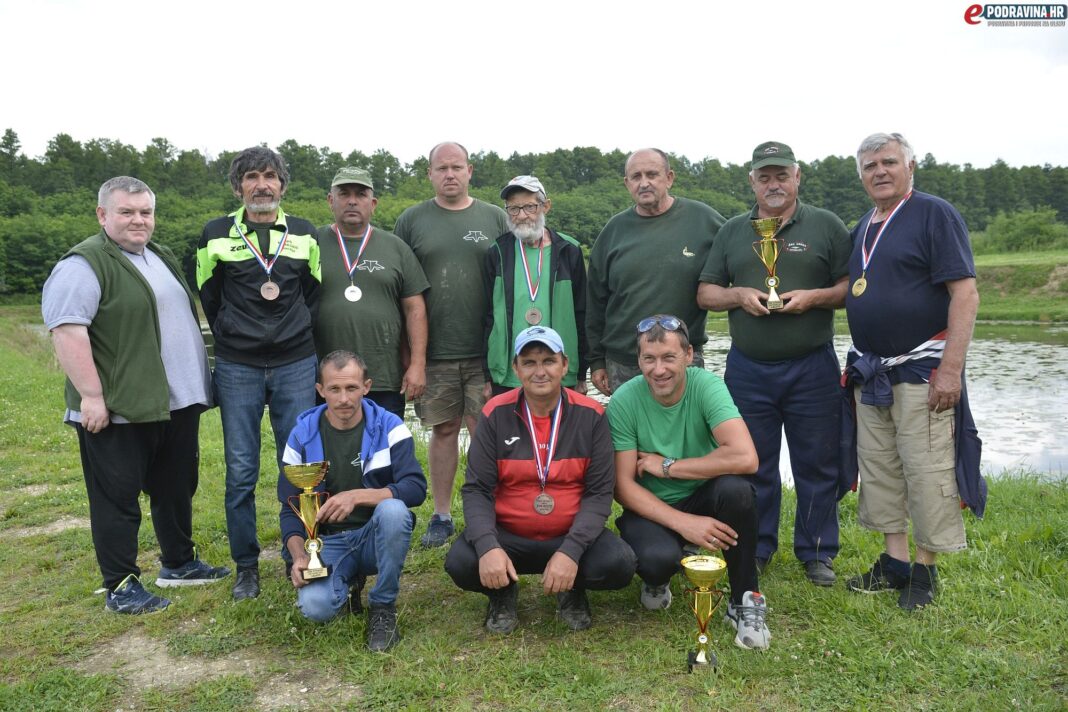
[(695, 77)]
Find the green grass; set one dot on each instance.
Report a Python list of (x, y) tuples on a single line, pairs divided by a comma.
[(995, 639)]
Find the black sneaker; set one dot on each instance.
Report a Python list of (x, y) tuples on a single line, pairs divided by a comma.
[(921, 588), (438, 531), (382, 632), (574, 608), (193, 573), (880, 578), (820, 573), (501, 616), (132, 598), (247, 584)]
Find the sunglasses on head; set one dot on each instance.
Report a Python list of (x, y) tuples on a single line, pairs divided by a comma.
[(665, 321)]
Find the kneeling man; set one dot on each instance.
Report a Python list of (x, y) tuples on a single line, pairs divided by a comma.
[(681, 447), (537, 493), (373, 480)]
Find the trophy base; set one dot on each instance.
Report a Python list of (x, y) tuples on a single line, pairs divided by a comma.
[(692, 664), (312, 574), (774, 302)]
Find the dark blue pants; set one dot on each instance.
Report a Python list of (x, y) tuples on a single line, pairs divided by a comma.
[(801, 396)]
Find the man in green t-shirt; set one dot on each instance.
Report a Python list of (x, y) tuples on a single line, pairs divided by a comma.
[(449, 235), (681, 455), (782, 370), (372, 296), (647, 258)]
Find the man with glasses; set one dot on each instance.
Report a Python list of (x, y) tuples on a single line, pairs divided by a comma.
[(782, 370), (538, 492), (682, 453), (646, 258), (534, 276)]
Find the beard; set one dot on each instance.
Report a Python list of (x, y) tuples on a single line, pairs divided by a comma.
[(262, 204), (529, 233)]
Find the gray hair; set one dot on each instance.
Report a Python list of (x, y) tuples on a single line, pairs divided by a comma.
[(877, 141), (657, 151), (257, 158), (443, 144), (340, 359), (127, 185)]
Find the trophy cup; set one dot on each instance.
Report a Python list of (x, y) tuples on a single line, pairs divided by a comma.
[(767, 249), (704, 572), (307, 477)]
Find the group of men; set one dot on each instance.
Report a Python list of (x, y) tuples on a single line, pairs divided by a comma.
[(488, 319)]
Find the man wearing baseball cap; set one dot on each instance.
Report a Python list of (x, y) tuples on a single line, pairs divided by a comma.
[(534, 276), (372, 295), (782, 371), (538, 492)]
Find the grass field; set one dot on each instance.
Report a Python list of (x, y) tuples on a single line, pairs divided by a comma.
[(1023, 286), (995, 638)]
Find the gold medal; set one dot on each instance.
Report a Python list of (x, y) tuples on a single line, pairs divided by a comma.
[(859, 286), (543, 504), (269, 291)]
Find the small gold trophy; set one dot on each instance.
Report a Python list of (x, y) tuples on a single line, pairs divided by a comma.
[(704, 572), (307, 477), (767, 249)]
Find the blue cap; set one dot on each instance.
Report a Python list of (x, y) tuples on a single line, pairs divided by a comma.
[(541, 335)]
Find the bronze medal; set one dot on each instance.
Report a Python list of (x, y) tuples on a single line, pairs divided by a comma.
[(353, 293), (533, 316), (269, 291), (859, 286), (544, 504)]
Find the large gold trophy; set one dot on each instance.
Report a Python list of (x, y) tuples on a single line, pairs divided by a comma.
[(704, 572), (768, 249), (307, 478)]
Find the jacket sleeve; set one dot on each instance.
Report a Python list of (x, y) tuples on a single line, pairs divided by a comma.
[(479, 489), (409, 482), (209, 280), (578, 290), (311, 281), (596, 502), (288, 521)]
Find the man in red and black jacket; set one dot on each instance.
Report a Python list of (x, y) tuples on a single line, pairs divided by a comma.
[(537, 493)]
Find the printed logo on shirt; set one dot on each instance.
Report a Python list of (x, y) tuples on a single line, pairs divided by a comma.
[(797, 247), (369, 265), (475, 236), (686, 252), (357, 462), (511, 441)]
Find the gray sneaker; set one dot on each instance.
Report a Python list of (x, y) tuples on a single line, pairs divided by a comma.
[(438, 531), (193, 573), (382, 632), (748, 619), (655, 598)]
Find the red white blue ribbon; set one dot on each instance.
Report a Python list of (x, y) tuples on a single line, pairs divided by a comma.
[(351, 266), (865, 253), (267, 266), (554, 436), (532, 287)]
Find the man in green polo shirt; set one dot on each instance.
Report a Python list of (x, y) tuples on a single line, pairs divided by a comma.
[(782, 370), (371, 300)]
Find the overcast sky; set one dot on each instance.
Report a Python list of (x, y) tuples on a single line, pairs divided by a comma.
[(698, 78)]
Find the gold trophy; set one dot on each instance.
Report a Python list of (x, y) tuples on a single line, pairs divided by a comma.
[(307, 478), (767, 249), (704, 572)]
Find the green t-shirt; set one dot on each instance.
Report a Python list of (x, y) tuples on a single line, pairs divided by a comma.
[(373, 327), (341, 448), (638, 422), (522, 297), (451, 247), (814, 255), (640, 266)]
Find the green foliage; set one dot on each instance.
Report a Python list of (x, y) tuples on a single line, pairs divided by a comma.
[(1022, 231)]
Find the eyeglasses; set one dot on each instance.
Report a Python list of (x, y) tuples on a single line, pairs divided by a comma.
[(529, 209), (665, 321)]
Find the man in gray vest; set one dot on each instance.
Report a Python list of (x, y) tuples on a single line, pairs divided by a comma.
[(125, 330)]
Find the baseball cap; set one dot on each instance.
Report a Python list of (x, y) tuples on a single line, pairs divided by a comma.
[(351, 174), (772, 153), (526, 183), (541, 335)]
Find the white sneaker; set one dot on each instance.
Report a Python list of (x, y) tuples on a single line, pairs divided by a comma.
[(748, 619), (655, 598)]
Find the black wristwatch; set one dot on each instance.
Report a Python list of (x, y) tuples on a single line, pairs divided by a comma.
[(666, 467)]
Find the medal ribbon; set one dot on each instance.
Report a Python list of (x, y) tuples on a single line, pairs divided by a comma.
[(865, 253), (532, 287), (267, 266), (350, 266), (543, 471)]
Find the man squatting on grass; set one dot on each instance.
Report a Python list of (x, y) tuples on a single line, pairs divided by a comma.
[(374, 478), (125, 330)]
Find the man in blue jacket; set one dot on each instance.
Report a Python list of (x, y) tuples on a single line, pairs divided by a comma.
[(373, 480)]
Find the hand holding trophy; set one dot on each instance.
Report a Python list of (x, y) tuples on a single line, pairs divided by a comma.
[(307, 477)]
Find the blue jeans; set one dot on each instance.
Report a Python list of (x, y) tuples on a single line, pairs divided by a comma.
[(242, 392), (378, 547), (801, 395)]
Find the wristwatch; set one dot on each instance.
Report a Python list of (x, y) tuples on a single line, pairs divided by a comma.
[(666, 467)]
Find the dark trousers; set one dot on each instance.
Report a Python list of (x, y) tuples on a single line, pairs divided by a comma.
[(393, 401), (121, 461), (728, 498), (803, 397), (607, 564)]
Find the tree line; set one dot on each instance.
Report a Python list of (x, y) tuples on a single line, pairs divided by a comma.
[(47, 202)]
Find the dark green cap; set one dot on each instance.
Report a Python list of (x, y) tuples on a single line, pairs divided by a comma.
[(350, 174), (772, 153)]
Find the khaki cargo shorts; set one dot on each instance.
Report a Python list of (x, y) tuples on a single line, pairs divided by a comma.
[(453, 389)]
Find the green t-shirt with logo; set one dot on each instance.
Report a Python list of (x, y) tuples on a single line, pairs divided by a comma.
[(373, 327), (341, 448), (522, 296), (814, 255), (451, 247), (639, 422)]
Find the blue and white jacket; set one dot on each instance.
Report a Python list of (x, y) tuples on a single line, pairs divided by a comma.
[(388, 454)]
